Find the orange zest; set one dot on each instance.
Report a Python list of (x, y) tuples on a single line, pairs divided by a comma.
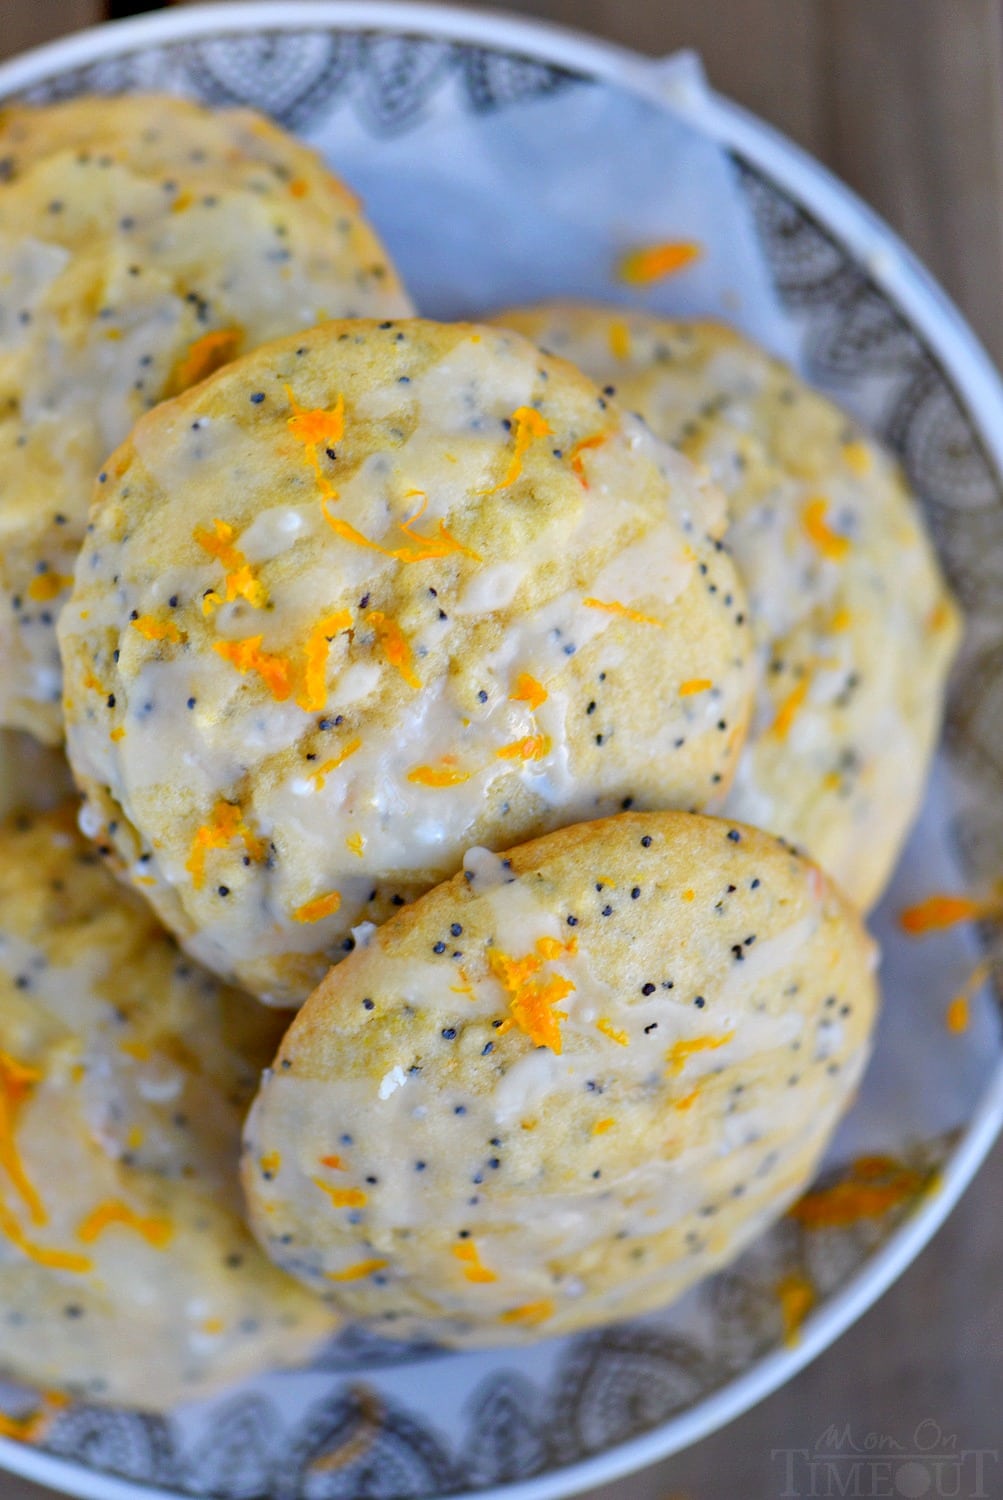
[(582, 446), (206, 355), (601, 1126), (528, 690), (55, 1260), (319, 908), (532, 1000), (342, 1197), (530, 747), (225, 825), (527, 426), (958, 1015), (45, 586), (240, 579), (355, 843), (789, 709), (312, 693), (694, 685), (115, 1214), (619, 339), (650, 263), (17, 1084), (614, 607), (820, 533), (157, 630), (615, 1035), (680, 1052), (395, 645), (247, 655), (467, 1254), (443, 775), (796, 1296), (529, 1312), (873, 1185), (424, 548), (937, 912), (361, 1269), (317, 428), (323, 772)]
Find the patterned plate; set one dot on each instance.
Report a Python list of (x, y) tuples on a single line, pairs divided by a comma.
[(395, 92)]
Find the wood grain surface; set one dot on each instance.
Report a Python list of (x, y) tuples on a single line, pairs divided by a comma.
[(904, 100)]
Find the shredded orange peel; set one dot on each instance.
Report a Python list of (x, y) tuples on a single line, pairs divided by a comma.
[(584, 445), (468, 1255), (532, 1000), (527, 426), (361, 1269), (797, 1297), (423, 548), (17, 1084), (873, 1185), (45, 586), (614, 607), (680, 1052), (649, 263), (395, 645), (153, 629), (207, 354), (818, 531), (113, 1213), (240, 579), (319, 908), (939, 911), (356, 842), (789, 709), (528, 690), (224, 826)]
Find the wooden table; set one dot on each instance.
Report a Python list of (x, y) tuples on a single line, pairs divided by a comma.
[(904, 99)]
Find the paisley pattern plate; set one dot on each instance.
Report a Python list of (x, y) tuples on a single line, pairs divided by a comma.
[(371, 1419)]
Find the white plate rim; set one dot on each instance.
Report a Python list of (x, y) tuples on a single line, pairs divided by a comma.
[(903, 278)]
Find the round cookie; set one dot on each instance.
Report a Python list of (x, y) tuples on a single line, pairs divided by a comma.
[(126, 1270), (565, 1085), (144, 241), (374, 594), (854, 625)]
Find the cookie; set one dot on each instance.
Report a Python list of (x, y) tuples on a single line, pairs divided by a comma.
[(127, 1273), (855, 627), (372, 595), (564, 1085), (144, 241)]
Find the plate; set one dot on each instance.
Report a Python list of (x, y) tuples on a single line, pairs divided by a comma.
[(378, 86)]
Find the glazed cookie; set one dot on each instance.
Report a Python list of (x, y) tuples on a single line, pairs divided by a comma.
[(144, 241), (854, 625), (126, 1270), (565, 1085), (372, 595)]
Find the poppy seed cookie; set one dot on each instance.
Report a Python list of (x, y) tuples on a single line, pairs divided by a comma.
[(564, 1085), (854, 625), (144, 241), (374, 594), (126, 1271)]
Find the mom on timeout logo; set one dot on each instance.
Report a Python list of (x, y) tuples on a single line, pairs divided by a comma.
[(931, 1463)]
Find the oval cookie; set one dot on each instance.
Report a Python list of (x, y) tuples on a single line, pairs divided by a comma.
[(126, 1271), (374, 594), (564, 1085), (855, 628), (144, 241)]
